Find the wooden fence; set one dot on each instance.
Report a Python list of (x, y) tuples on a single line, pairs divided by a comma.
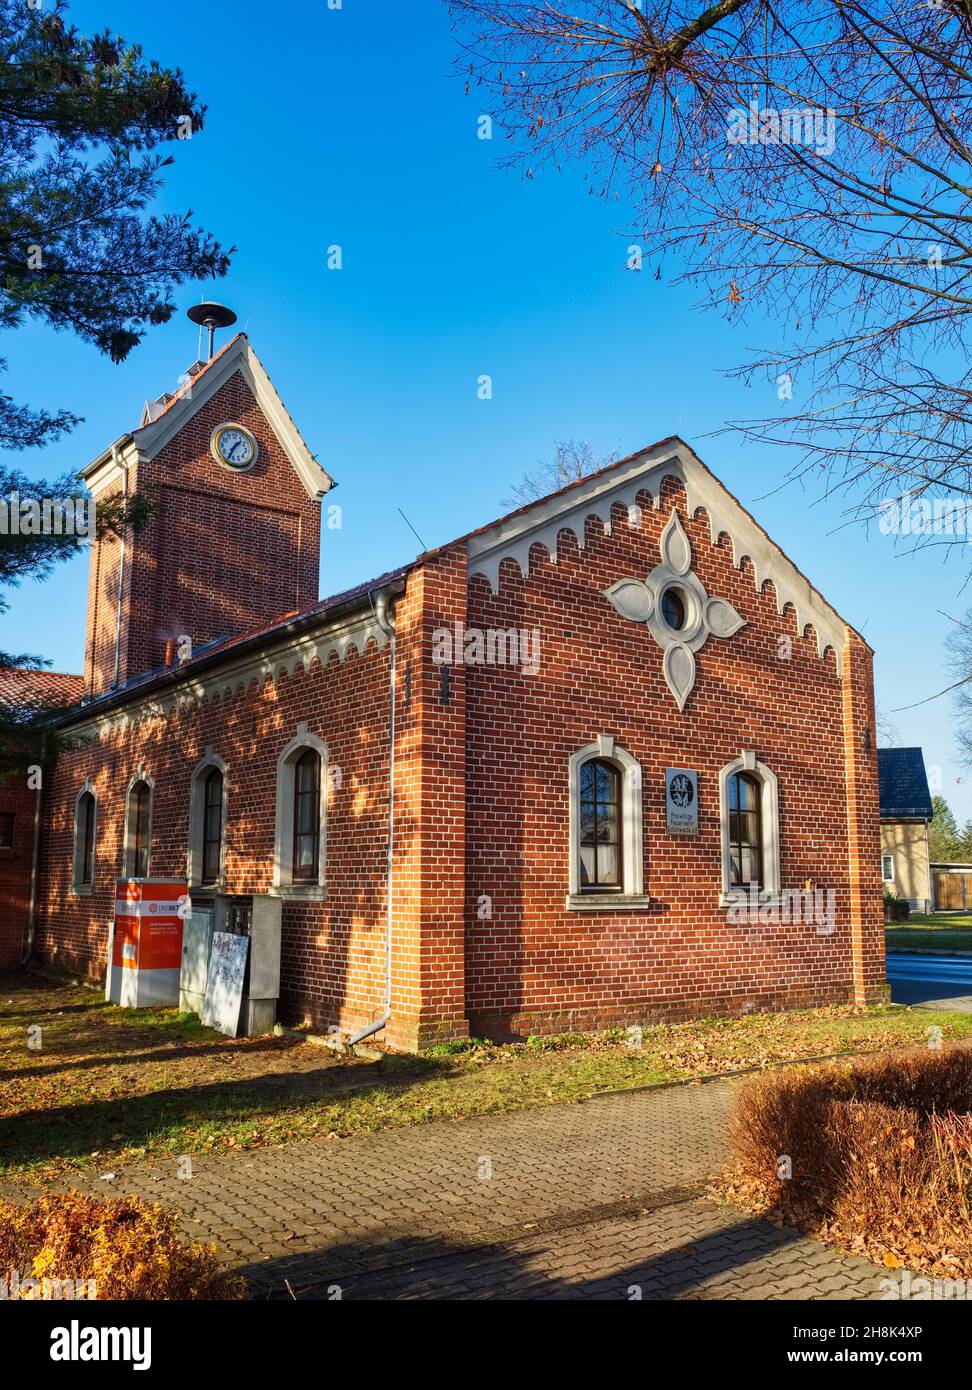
[(951, 891)]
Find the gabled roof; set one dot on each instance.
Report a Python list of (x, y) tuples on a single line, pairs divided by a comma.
[(165, 417), (540, 523), (26, 691), (903, 784)]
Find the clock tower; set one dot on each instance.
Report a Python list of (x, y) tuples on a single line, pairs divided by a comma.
[(232, 538)]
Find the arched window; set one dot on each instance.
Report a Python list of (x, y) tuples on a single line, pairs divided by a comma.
[(300, 835), (749, 812), (605, 853), (745, 835), (307, 817), (139, 829), (206, 850), (212, 827), (600, 827), (85, 835)]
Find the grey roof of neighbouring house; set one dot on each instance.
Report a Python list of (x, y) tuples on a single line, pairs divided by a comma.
[(903, 784)]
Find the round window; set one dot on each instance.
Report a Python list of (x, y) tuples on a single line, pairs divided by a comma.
[(673, 607)]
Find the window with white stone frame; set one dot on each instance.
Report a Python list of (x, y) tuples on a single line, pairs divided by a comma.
[(606, 849), (749, 814), (137, 846), (301, 817), (208, 805), (887, 867), (85, 839)]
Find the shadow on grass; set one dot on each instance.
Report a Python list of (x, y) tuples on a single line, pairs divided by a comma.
[(165, 1052), (424, 1267), (37, 1015), (95, 1033), (74, 1131)]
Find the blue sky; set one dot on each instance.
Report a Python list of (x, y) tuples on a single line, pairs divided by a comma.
[(348, 126)]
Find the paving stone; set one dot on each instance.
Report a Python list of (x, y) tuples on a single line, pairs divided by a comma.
[(584, 1201)]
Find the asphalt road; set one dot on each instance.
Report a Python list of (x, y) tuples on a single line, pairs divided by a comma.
[(940, 982)]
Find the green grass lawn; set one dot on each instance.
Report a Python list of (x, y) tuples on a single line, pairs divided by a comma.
[(109, 1084), (930, 931)]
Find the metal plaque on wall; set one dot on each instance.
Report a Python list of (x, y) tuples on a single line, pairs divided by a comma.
[(682, 801)]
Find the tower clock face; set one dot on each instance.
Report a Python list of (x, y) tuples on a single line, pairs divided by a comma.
[(234, 447)]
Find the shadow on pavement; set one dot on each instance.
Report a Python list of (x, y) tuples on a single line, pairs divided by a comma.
[(433, 1268)]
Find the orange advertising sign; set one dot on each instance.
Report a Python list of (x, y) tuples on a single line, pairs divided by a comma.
[(148, 924), (160, 943), (125, 947)]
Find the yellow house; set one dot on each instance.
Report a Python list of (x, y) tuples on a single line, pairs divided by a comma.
[(906, 811)]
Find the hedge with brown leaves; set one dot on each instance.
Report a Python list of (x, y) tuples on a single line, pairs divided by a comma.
[(878, 1151), (123, 1248)]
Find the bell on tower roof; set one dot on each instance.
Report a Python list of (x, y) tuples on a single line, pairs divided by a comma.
[(212, 316)]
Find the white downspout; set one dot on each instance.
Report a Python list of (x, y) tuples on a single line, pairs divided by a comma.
[(34, 859), (387, 624)]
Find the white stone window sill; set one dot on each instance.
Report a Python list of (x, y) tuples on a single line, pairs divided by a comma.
[(737, 899), (82, 890), (608, 902), (299, 892)]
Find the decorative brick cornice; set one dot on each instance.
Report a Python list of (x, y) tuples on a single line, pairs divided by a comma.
[(626, 484), (284, 659)]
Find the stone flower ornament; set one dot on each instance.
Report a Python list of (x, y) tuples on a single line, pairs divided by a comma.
[(674, 606)]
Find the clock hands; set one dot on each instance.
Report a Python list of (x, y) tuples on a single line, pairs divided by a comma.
[(236, 450), (235, 446)]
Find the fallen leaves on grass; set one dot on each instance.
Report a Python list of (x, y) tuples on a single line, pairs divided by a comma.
[(111, 1084)]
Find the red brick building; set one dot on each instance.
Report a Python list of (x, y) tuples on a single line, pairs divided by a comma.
[(630, 749), (18, 808), (21, 806)]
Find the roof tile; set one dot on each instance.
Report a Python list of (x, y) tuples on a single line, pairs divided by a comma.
[(903, 784), (31, 690)]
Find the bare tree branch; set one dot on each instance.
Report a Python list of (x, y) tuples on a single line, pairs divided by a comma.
[(810, 167)]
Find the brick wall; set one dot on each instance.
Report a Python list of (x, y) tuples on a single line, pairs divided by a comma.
[(222, 552), (18, 800), (332, 952), (430, 799), (482, 807), (535, 966)]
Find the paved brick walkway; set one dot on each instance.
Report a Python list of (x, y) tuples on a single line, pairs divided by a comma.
[(685, 1249), (595, 1200)]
